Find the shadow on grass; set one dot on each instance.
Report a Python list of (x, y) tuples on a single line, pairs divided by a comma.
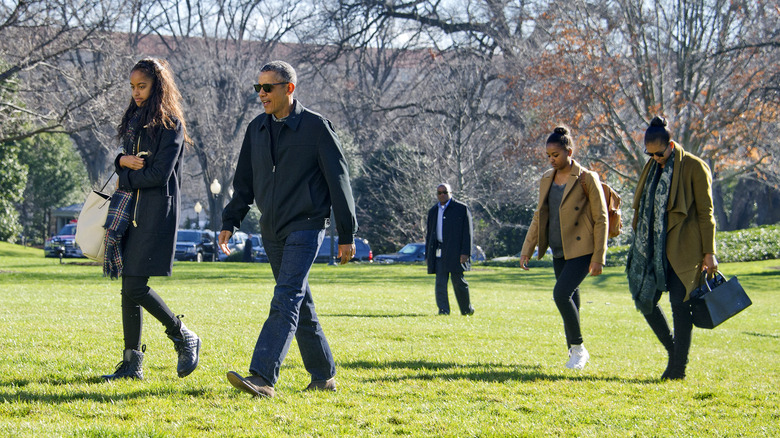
[(379, 315), (484, 372), (23, 395), (761, 335)]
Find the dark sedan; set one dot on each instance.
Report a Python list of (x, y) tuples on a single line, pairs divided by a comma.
[(412, 252)]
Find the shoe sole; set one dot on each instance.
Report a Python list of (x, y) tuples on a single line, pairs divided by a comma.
[(238, 382), (186, 373)]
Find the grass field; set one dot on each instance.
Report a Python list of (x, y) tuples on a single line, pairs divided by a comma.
[(402, 370)]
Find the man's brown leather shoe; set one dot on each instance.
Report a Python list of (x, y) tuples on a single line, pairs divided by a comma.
[(254, 385), (322, 385)]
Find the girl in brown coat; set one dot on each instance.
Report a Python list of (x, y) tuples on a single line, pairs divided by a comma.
[(674, 239), (574, 225)]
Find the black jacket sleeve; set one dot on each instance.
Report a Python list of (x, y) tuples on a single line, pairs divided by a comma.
[(468, 231), (334, 168), (160, 167), (243, 190)]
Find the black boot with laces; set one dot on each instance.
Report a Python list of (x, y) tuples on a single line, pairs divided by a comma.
[(187, 345), (130, 367)]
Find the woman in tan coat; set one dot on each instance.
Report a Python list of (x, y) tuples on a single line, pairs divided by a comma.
[(674, 239), (574, 225)]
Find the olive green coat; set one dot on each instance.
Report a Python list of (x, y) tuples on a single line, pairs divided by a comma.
[(690, 224)]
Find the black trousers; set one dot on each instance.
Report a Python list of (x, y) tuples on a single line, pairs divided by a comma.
[(135, 296), (568, 276), (459, 284), (678, 343)]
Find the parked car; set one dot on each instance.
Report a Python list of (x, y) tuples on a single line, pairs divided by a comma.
[(477, 255), (194, 245), (411, 252), (258, 251), (517, 256), (362, 251), (236, 243), (64, 240)]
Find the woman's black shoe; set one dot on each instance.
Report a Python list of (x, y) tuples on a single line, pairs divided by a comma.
[(187, 345), (130, 367)]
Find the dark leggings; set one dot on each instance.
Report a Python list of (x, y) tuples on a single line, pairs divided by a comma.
[(135, 295), (679, 343), (569, 274)]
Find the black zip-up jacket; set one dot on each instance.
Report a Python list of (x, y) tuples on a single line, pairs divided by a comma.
[(295, 184)]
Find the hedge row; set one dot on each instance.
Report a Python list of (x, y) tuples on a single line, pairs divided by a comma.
[(761, 243)]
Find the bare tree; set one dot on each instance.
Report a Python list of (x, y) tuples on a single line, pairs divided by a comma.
[(37, 38), (433, 94), (616, 64)]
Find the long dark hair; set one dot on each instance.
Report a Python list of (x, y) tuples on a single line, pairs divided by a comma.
[(657, 131), (163, 107)]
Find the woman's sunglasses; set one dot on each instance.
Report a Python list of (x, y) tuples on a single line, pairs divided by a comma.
[(267, 87), (657, 154)]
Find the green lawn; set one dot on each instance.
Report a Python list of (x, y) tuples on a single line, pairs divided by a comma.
[(402, 370)]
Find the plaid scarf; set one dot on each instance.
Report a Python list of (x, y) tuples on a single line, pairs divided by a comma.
[(116, 225), (646, 264)]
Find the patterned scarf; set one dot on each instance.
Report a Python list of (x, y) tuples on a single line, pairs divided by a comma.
[(116, 226), (131, 133), (646, 265)]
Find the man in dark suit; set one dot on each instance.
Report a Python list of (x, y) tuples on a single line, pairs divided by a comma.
[(448, 249)]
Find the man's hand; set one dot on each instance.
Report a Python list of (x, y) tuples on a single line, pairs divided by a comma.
[(463, 258), (224, 236), (346, 252)]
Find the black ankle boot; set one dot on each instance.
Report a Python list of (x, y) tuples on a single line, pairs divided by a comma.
[(187, 345), (669, 365), (130, 367), (676, 368)]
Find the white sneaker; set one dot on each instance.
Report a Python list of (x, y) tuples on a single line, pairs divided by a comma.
[(578, 357)]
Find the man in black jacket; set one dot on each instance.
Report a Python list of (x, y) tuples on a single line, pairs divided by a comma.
[(292, 166), (448, 248)]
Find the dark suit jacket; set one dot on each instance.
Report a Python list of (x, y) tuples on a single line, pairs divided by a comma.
[(457, 236)]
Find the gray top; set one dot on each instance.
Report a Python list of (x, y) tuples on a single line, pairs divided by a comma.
[(554, 198)]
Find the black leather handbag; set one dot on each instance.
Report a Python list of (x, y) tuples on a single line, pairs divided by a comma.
[(717, 300)]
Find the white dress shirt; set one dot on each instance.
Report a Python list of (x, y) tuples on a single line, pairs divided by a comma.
[(439, 222)]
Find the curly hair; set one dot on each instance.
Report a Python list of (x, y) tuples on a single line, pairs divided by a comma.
[(163, 107)]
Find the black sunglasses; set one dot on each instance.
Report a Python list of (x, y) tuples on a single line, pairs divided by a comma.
[(657, 154), (267, 87), (441, 193)]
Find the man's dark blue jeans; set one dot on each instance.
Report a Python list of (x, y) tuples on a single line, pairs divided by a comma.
[(292, 310)]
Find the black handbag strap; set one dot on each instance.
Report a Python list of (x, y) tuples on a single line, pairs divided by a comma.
[(108, 180)]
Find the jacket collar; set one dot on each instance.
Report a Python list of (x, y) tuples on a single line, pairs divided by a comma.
[(292, 121), (574, 175), (679, 153)]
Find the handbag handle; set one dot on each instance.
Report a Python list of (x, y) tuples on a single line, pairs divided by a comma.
[(717, 277), (108, 180)]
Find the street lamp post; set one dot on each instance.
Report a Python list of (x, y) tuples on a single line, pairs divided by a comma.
[(215, 188), (198, 208)]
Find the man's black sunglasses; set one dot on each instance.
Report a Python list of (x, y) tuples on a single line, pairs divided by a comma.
[(267, 87)]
